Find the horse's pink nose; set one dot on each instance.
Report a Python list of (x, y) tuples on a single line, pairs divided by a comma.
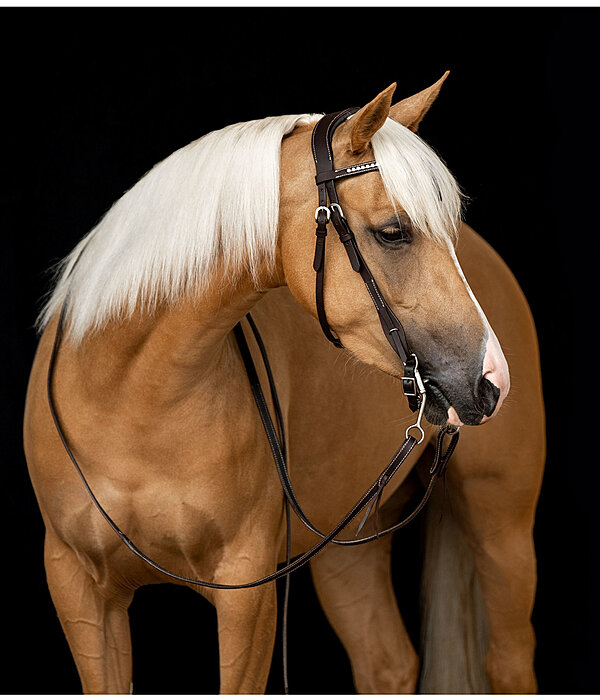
[(495, 371), (493, 386)]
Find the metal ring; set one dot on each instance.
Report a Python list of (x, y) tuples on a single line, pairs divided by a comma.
[(418, 427), (326, 210)]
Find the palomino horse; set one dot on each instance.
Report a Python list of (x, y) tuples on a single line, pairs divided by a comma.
[(154, 401)]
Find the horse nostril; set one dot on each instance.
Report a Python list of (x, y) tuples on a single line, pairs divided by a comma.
[(487, 396)]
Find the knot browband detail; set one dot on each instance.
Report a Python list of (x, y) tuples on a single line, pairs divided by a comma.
[(329, 209)]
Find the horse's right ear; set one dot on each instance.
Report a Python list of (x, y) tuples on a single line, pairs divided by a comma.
[(410, 111)]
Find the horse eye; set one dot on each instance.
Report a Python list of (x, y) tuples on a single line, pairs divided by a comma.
[(394, 236)]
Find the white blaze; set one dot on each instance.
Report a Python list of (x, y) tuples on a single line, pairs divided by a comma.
[(495, 366)]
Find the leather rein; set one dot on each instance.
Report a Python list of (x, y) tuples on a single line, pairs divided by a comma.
[(328, 209)]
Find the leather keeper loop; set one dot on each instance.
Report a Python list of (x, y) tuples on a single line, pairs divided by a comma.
[(351, 250)]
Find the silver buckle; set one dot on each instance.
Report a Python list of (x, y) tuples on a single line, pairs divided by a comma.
[(327, 212), (413, 386), (337, 206), (409, 386)]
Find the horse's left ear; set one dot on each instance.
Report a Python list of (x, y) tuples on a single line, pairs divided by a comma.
[(369, 119), (410, 112)]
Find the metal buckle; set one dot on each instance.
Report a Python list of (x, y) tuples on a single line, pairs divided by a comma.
[(409, 386), (412, 386), (327, 212), (337, 206)]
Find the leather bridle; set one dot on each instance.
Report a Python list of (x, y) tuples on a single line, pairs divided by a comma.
[(328, 209)]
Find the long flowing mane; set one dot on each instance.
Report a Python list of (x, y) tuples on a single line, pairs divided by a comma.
[(218, 199)]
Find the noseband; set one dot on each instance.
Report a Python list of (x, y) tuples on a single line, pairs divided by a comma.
[(329, 209)]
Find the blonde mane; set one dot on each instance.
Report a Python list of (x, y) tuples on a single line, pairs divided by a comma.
[(218, 198)]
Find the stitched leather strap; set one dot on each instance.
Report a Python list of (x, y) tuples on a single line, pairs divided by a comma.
[(323, 157), (329, 209)]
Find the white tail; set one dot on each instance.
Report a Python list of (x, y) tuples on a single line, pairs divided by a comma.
[(454, 635)]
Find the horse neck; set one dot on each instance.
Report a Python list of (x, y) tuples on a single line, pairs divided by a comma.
[(160, 359)]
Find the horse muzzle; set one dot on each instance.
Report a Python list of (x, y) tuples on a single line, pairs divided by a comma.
[(457, 401)]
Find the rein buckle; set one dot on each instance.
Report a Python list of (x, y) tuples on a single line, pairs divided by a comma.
[(409, 386), (412, 386), (327, 212)]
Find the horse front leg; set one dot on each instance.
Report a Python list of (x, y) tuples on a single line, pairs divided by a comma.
[(354, 586), (493, 486), (247, 623), (94, 619)]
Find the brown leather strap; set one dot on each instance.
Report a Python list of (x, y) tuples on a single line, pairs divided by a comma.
[(439, 463), (350, 171), (319, 268), (329, 209), (323, 157)]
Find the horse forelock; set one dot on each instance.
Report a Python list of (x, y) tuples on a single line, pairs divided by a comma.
[(416, 179)]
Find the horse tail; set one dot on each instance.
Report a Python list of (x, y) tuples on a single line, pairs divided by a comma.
[(454, 634)]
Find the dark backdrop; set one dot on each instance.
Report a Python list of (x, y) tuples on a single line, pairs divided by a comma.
[(92, 98)]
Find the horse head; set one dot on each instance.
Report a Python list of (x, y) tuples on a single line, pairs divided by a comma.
[(406, 219)]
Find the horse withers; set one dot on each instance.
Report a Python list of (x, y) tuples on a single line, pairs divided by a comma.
[(151, 392)]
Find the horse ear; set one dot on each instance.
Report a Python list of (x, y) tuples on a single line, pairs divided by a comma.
[(369, 119), (410, 112)]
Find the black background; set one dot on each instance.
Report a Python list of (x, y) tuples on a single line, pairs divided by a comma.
[(92, 98)]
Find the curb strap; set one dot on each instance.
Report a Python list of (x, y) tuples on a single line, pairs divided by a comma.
[(329, 209)]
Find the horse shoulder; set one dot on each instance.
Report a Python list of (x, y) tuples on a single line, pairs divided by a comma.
[(186, 480)]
